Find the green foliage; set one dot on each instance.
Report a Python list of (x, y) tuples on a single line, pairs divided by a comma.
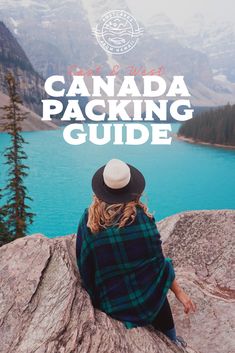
[(216, 126), (4, 233), (16, 212)]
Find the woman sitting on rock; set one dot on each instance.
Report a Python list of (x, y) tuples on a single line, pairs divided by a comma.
[(119, 254)]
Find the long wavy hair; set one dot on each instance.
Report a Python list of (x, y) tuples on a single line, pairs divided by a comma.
[(102, 215)]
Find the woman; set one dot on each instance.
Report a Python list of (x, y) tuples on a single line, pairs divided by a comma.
[(119, 253)]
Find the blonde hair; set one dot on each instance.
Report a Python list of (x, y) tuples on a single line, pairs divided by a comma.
[(102, 215)]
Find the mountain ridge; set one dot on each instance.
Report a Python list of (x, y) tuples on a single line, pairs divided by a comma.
[(13, 58), (51, 53)]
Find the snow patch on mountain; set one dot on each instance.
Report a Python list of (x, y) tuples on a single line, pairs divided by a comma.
[(15, 24)]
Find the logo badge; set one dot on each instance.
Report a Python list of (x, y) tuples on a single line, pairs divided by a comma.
[(117, 32)]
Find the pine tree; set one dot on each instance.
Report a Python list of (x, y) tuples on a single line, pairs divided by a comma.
[(5, 237), (216, 126), (18, 215)]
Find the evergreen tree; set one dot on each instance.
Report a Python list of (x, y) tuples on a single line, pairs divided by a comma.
[(4, 233), (18, 215), (216, 126)]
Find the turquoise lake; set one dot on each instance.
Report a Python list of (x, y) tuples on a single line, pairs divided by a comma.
[(179, 177)]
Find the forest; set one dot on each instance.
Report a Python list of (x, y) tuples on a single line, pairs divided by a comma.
[(215, 126)]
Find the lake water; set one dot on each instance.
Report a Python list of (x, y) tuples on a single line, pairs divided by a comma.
[(179, 177)]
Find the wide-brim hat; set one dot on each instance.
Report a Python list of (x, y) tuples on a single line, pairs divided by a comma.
[(118, 182)]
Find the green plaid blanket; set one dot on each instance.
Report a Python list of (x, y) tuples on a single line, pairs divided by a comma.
[(124, 269)]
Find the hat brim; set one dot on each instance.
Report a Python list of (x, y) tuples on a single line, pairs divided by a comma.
[(128, 193)]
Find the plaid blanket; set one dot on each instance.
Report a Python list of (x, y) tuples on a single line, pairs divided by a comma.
[(124, 269)]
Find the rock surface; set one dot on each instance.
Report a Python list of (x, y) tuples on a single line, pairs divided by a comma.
[(44, 309), (201, 244)]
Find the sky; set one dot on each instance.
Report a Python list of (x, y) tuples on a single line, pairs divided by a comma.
[(180, 10)]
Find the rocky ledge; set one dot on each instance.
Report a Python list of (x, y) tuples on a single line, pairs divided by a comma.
[(44, 309)]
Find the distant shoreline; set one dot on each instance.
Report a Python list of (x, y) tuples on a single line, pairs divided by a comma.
[(192, 141)]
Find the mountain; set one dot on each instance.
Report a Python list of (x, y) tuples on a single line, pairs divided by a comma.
[(162, 44), (217, 40), (214, 38), (163, 27), (54, 34), (30, 83), (58, 35), (14, 59)]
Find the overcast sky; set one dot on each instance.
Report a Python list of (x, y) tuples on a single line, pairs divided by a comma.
[(179, 10)]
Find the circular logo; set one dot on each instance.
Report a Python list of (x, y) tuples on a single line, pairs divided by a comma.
[(117, 32)]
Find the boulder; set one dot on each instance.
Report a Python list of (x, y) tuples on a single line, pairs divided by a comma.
[(201, 244), (44, 308)]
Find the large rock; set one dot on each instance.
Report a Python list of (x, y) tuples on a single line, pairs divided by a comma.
[(201, 244), (44, 309)]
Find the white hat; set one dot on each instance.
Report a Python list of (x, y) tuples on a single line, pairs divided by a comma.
[(116, 174), (118, 182)]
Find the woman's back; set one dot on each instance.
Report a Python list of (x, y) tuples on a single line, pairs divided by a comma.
[(119, 253), (130, 275)]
